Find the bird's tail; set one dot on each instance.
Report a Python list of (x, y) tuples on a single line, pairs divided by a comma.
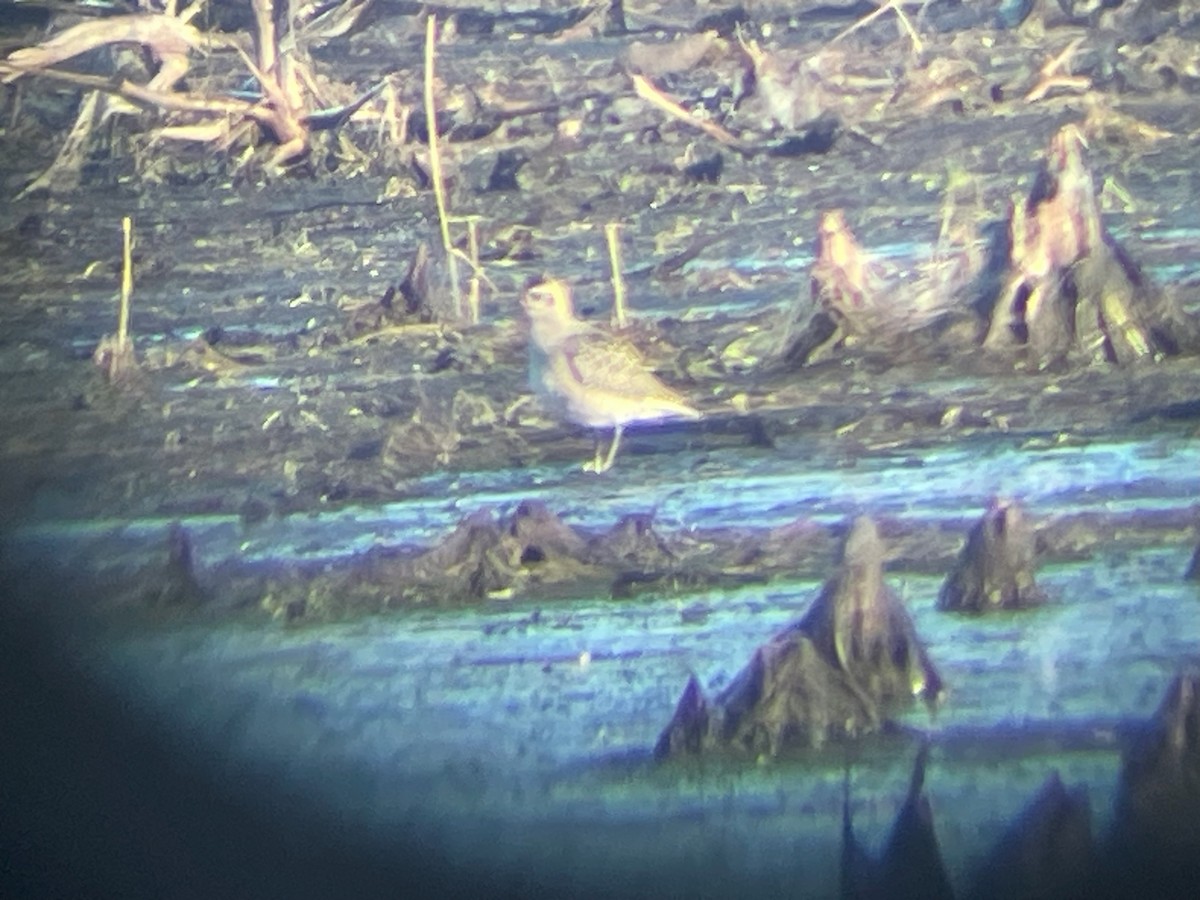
[(678, 409)]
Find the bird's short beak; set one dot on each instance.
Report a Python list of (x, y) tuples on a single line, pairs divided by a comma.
[(527, 298)]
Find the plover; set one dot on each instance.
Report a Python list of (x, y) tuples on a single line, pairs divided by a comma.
[(589, 376)]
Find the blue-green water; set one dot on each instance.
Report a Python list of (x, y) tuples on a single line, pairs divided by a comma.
[(524, 732)]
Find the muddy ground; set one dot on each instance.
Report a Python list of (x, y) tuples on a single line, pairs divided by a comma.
[(270, 387), (285, 390)]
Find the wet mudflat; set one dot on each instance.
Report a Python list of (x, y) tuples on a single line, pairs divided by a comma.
[(285, 418)]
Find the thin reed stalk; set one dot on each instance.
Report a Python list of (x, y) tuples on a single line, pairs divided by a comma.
[(435, 159), (612, 233), (126, 285)]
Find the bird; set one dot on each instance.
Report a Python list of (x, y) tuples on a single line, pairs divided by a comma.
[(589, 376)]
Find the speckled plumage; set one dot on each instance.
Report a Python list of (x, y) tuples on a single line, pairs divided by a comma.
[(588, 376)]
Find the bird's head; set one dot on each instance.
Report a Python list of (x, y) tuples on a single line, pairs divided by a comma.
[(551, 313), (548, 297)]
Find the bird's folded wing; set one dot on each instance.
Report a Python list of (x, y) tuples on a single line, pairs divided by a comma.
[(612, 365)]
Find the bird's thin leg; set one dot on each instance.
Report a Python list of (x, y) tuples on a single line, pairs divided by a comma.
[(612, 451), (595, 463)]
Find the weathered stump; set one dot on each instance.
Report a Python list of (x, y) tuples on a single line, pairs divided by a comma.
[(910, 864), (1047, 851), (1156, 833), (833, 675), (847, 288), (861, 305), (995, 568), (1069, 291), (1193, 569)]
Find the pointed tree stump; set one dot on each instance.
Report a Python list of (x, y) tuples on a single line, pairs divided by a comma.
[(1069, 290), (835, 674), (995, 568)]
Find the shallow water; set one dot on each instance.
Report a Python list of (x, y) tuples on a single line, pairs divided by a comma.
[(539, 720), (524, 731), (949, 481)]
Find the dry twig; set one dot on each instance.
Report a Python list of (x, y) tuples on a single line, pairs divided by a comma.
[(1051, 75), (657, 97), (896, 6)]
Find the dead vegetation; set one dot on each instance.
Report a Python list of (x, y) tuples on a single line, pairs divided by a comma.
[(291, 104), (1058, 290)]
